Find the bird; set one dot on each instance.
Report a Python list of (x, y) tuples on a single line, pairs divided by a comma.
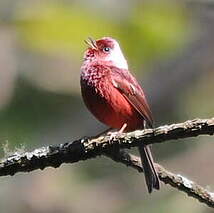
[(114, 96)]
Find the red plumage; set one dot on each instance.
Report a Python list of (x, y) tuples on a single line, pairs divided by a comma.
[(114, 96)]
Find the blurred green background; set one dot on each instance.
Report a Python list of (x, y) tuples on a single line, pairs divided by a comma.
[(170, 48)]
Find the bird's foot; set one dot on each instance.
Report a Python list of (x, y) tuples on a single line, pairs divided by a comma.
[(114, 135)]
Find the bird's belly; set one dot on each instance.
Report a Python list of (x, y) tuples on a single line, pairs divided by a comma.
[(111, 108)]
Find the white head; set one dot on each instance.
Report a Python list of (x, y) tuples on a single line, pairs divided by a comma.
[(106, 50)]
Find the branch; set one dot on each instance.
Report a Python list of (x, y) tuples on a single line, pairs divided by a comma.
[(85, 148), (177, 181)]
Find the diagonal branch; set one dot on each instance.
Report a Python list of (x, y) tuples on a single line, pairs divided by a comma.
[(85, 148), (177, 181)]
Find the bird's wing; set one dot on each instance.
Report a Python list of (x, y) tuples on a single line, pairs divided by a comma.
[(132, 91)]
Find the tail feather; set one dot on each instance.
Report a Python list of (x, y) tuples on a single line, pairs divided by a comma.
[(151, 177)]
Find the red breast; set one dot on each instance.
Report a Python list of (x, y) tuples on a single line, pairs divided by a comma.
[(105, 102)]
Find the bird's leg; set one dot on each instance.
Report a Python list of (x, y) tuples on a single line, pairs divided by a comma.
[(118, 133), (122, 128), (144, 124), (113, 135)]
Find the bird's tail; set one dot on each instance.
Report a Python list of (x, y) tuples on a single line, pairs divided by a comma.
[(151, 177)]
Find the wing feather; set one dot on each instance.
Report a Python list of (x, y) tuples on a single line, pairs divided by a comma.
[(132, 91)]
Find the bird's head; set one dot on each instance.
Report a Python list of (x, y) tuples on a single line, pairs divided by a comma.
[(105, 50)]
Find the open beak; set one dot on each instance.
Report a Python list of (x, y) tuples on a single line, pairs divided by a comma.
[(91, 43)]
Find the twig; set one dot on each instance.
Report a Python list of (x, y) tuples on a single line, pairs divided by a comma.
[(179, 182), (83, 149)]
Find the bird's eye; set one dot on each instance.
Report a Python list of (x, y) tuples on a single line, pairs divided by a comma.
[(106, 49)]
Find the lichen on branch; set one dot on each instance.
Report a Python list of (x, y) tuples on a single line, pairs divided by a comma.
[(86, 148)]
